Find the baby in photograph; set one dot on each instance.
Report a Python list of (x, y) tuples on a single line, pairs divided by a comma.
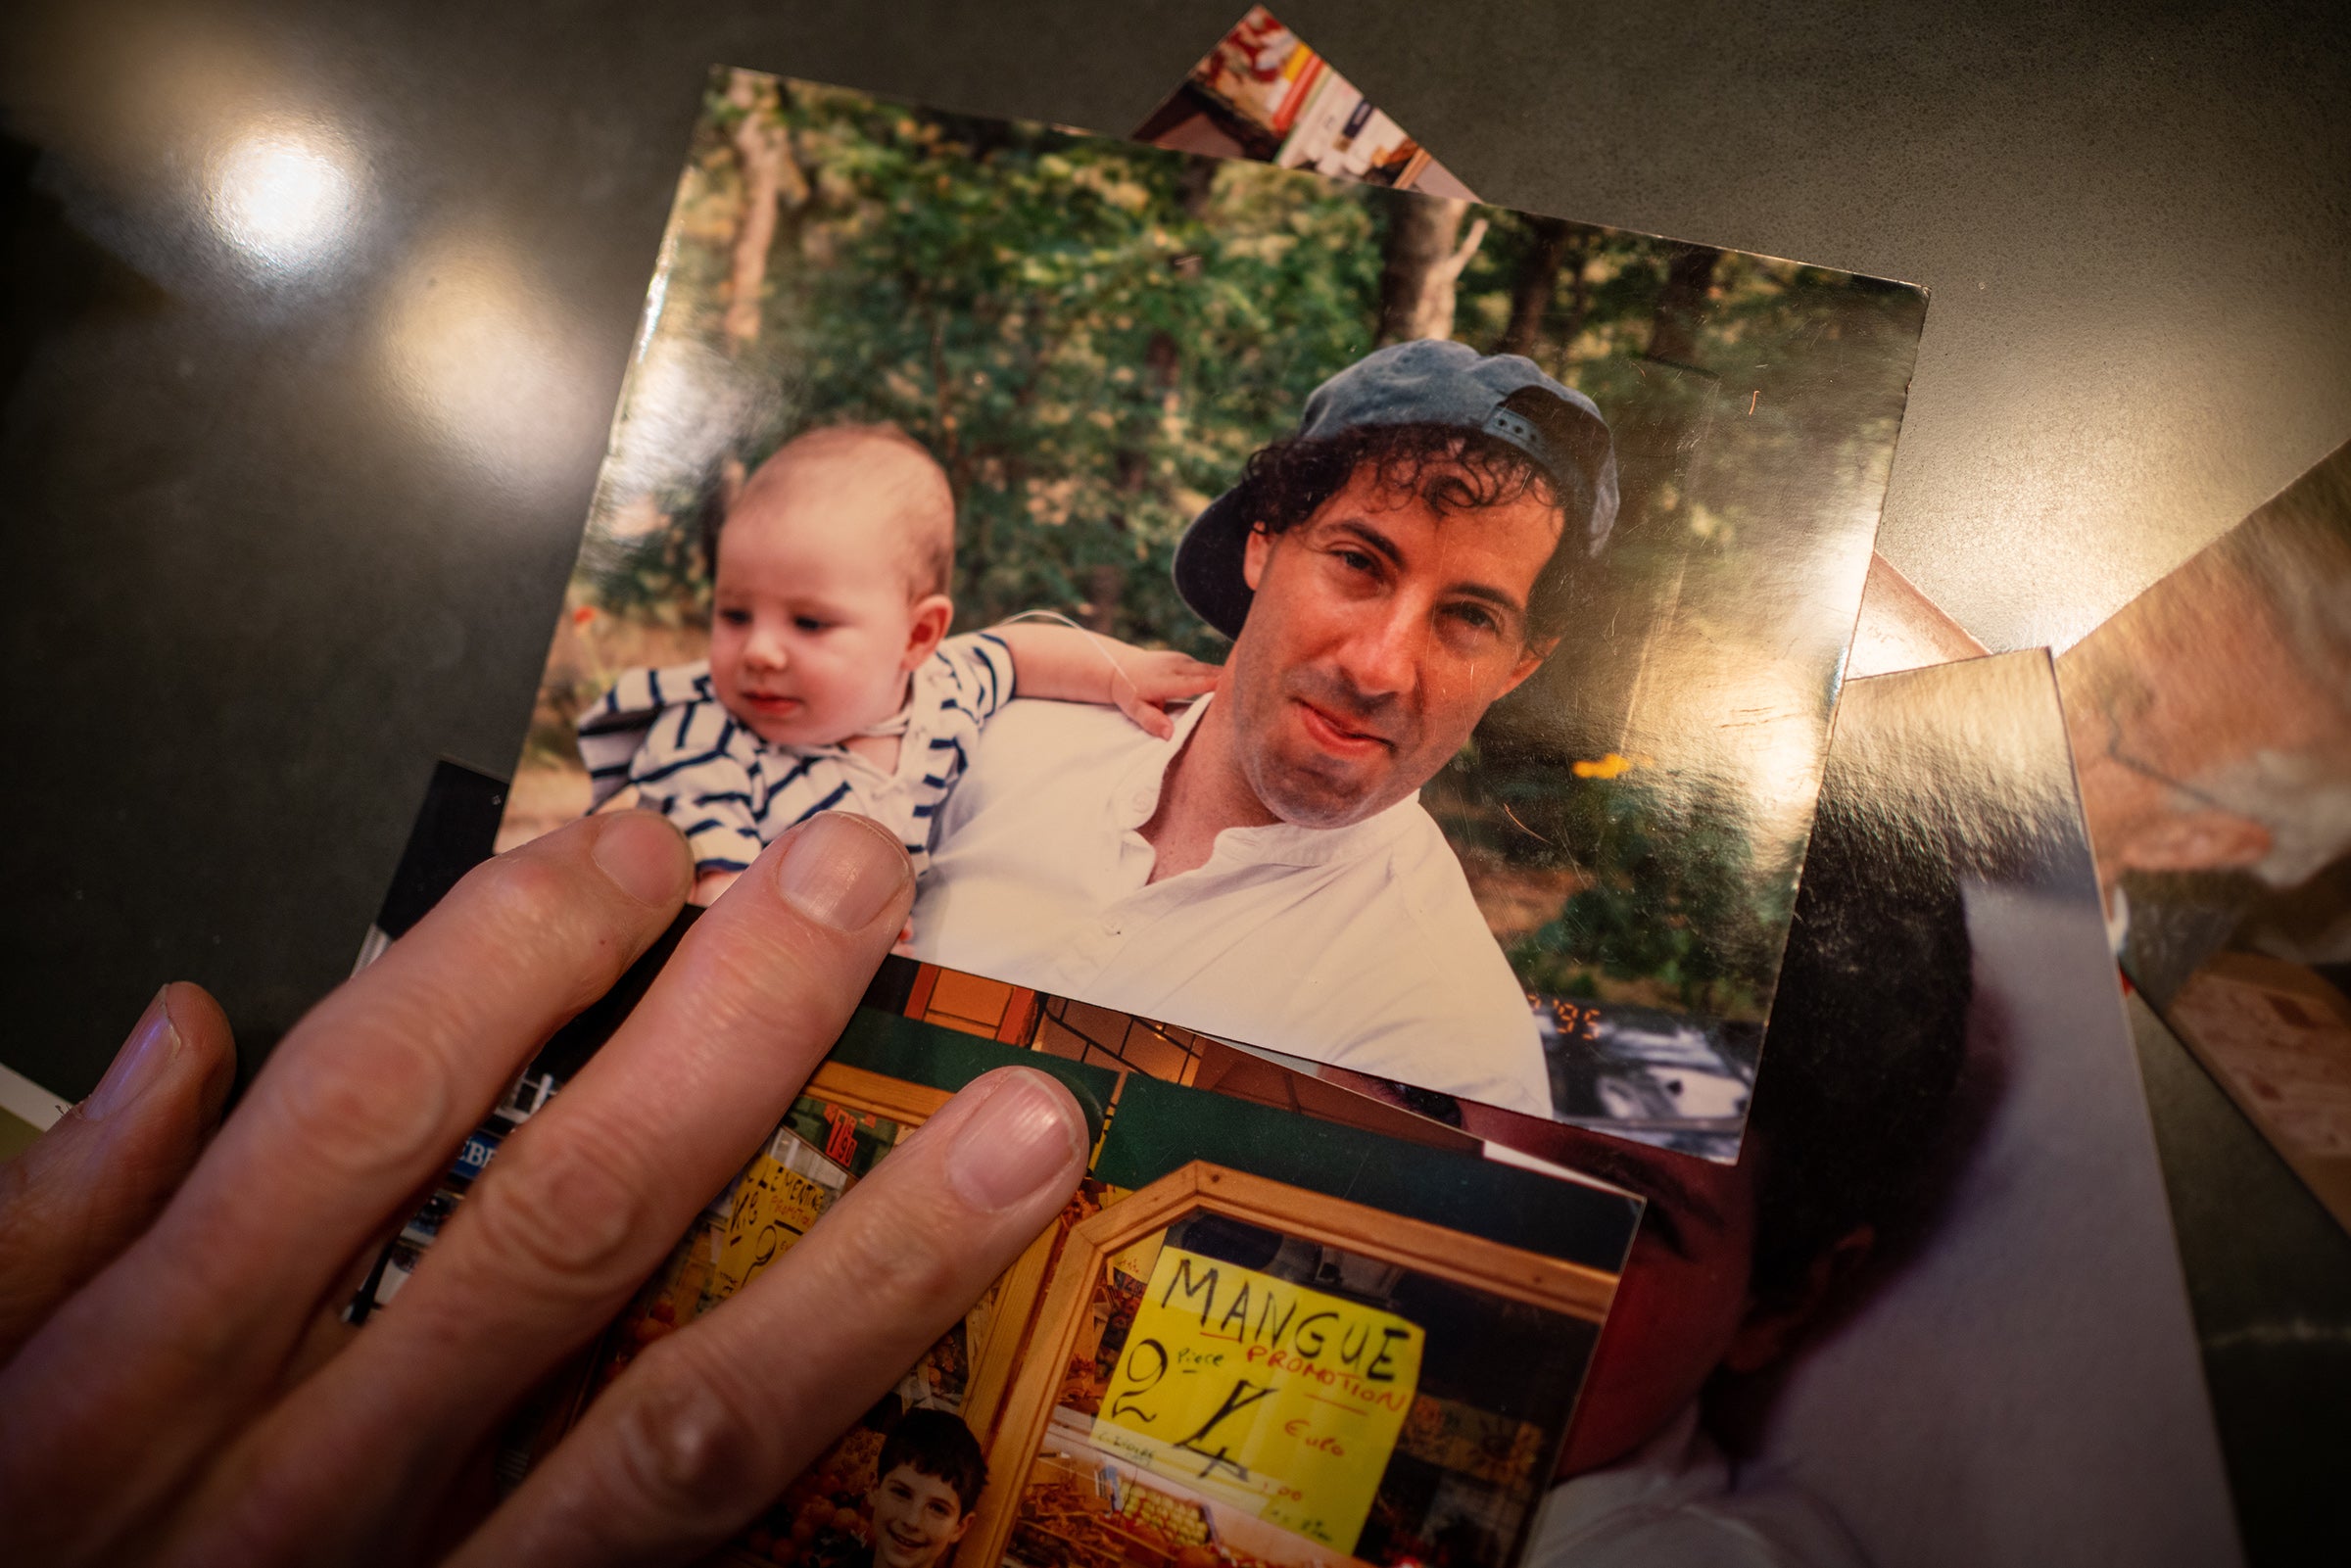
[(831, 683)]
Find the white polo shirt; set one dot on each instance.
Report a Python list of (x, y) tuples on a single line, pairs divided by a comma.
[(1359, 946)]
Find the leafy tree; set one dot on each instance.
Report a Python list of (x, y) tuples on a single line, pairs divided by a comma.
[(1094, 336)]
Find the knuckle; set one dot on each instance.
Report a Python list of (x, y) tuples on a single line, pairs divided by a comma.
[(523, 887), (898, 1257), (562, 1207), (375, 1106), (760, 979), (682, 1451), (531, 905)]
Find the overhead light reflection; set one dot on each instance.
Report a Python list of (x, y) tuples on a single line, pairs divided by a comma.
[(474, 349), (286, 194)]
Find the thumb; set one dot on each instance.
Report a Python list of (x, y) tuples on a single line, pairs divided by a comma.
[(91, 1184)]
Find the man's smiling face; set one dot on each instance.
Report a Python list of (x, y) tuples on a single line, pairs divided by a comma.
[(1380, 631)]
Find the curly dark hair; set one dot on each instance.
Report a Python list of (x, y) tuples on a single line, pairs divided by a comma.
[(1451, 470)]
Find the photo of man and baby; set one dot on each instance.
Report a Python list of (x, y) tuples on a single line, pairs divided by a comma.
[(1397, 698)]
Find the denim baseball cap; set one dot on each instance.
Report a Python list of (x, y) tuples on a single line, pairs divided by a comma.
[(1430, 380)]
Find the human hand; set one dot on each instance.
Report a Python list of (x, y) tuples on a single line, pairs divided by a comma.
[(1145, 681), (708, 885), (178, 1385)]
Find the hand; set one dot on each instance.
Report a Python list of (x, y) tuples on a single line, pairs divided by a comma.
[(708, 885), (180, 1386), (1145, 681)]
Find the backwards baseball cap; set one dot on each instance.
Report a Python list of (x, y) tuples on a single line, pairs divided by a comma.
[(1430, 380)]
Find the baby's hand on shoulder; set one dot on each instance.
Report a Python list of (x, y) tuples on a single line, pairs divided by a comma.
[(1147, 680)]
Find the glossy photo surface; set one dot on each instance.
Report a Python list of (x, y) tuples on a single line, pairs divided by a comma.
[(1513, 748)]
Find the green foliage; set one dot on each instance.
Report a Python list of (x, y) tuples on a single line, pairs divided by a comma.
[(1094, 336), (1088, 339), (1677, 902)]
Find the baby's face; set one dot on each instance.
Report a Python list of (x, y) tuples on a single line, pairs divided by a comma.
[(813, 624)]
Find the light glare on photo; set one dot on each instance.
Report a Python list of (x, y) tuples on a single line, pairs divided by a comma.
[(286, 196)]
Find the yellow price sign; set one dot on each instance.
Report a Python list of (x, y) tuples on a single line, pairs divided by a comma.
[(1283, 1400), (773, 1209)]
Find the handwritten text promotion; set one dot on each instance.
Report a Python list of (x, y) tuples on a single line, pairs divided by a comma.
[(774, 1207), (1276, 1399)]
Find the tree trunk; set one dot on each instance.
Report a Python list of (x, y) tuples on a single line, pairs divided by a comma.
[(1105, 586), (1673, 331), (1654, 450), (1423, 263), (1579, 304), (1537, 286), (770, 181)]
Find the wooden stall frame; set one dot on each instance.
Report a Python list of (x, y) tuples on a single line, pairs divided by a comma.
[(875, 1094), (1491, 1266), (911, 1104)]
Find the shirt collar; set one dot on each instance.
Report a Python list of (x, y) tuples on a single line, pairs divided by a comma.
[(1280, 843), (1680, 1462)]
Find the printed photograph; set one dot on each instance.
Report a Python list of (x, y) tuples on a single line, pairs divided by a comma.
[(1951, 1081), (1249, 1341), (1953, 1064), (1325, 617), (1261, 93), (2211, 720)]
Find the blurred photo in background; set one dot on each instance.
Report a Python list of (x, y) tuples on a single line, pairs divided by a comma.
[(2211, 725)]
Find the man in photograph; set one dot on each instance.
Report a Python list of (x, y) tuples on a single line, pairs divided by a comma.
[(1267, 874)]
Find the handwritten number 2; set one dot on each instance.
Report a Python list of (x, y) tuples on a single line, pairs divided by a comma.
[(1124, 1403)]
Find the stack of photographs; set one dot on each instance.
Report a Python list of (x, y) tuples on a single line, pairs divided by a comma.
[(1355, 670)]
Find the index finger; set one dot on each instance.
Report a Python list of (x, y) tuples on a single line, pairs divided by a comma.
[(708, 1425), (580, 1205), (358, 1107)]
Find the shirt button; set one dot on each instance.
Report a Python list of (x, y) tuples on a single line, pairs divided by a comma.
[(1142, 800)]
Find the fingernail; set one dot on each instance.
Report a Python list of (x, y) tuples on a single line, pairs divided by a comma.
[(644, 856), (1027, 1134), (152, 1045), (841, 870)]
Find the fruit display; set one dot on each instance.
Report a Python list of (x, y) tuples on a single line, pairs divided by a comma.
[(1065, 1523), (1183, 1523), (819, 1520)]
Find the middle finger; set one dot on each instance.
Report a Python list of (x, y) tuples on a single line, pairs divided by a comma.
[(588, 1196)]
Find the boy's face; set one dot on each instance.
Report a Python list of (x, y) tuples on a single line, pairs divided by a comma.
[(813, 625), (917, 1519)]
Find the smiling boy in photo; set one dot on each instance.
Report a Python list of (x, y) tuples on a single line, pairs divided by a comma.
[(927, 1481)]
